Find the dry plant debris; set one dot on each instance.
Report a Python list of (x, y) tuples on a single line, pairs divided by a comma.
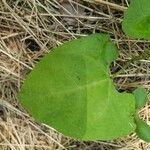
[(29, 30)]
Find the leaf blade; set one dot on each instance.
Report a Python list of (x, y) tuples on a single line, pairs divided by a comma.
[(141, 97), (136, 22), (70, 90), (142, 130)]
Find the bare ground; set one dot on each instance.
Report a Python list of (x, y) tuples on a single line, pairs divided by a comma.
[(29, 30)]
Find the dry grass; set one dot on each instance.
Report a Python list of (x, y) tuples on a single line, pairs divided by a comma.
[(29, 29)]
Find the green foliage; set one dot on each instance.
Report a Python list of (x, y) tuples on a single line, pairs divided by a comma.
[(136, 23), (140, 97), (142, 129), (70, 90)]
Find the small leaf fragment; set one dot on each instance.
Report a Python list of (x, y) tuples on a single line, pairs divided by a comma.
[(142, 129), (141, 97), (136, 22)]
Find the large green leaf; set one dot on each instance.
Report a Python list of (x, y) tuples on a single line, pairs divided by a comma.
[(136, 21), (70, 90)]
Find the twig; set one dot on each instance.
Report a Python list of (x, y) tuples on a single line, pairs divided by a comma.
[(115, 6)]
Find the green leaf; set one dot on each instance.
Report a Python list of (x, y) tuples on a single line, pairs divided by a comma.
[(141, 97), (142, 129), (136, 23), (70, 90)]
